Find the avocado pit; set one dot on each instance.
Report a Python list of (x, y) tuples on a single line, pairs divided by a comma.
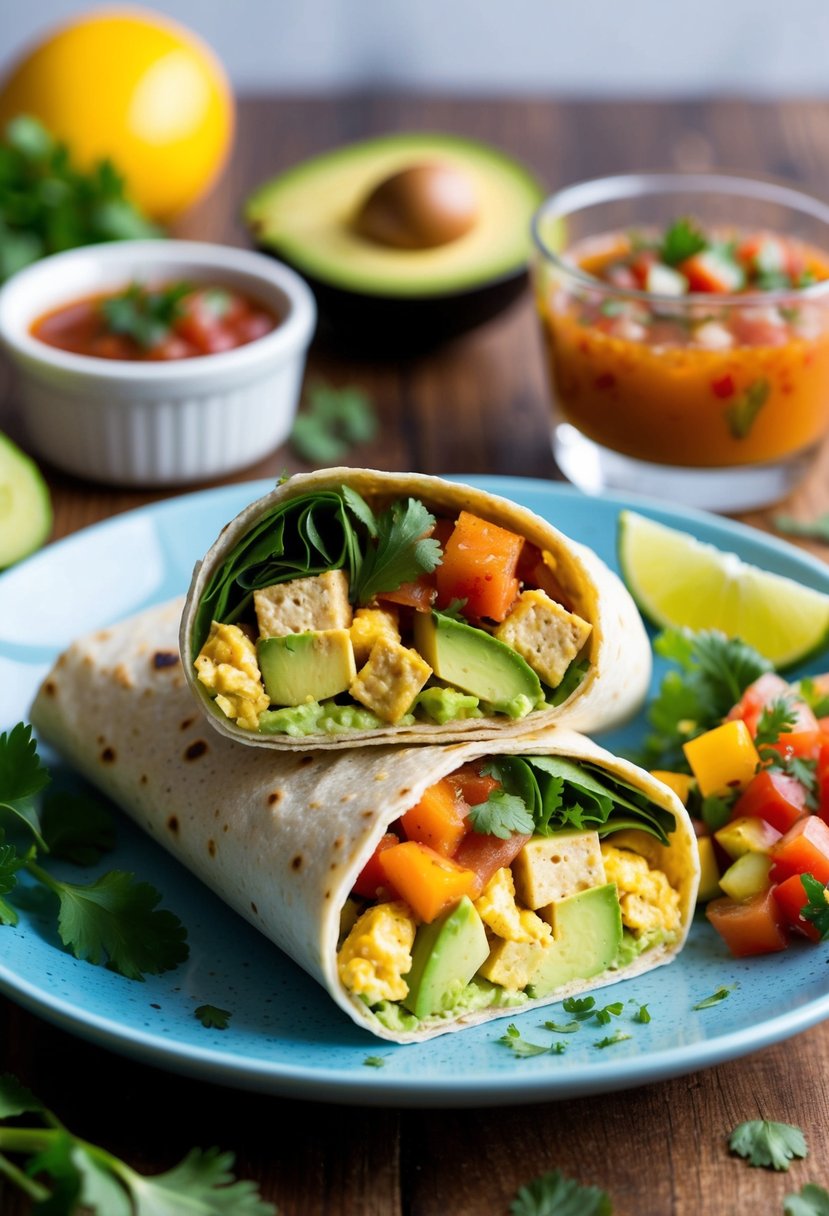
[(422, 207)]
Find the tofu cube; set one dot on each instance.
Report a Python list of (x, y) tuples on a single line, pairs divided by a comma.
[(304, 605), (546, 635), (390, 680), (513, 964), (550, 868), (368, 626)]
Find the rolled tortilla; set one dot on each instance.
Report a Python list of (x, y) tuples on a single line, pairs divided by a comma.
[(599, 641), (282, 838)]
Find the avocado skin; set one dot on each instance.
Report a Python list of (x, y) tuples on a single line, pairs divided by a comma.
[(587, 930), (446, 955), (371, 326)]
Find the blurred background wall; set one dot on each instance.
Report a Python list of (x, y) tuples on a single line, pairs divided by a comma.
[(563, 47)]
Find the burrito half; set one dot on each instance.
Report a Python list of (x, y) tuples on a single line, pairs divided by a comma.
[(426, 888), (351, 606)]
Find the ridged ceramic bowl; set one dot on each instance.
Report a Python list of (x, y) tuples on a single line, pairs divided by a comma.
[(156, 423)]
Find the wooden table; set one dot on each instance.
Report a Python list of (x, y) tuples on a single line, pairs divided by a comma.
[(476, 406)]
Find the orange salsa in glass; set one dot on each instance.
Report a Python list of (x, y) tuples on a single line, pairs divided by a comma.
[(690, 348)]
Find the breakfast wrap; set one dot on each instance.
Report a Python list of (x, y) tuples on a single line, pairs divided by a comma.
[(351, 606), (426, 888)]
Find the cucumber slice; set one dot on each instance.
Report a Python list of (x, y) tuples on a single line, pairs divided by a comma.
[(25, 504)]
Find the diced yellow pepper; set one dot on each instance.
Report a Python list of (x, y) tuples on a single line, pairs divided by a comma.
[(709, 871), (723, 759), (680, 783)]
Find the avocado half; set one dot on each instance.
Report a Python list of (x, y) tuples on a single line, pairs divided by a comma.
[(379, 298)]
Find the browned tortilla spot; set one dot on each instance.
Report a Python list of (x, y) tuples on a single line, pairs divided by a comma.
[(306, 759), (254, 908), (108, 755), (164, 658), (296, 862), (195, 750), (172, 824), (50, 688), (338, 843), (381, 776), (348, 797), (366, 814), (402, 793), (187, 723), (275, 797), (211, 847), (314, 806), (143, 779), (123, 676)]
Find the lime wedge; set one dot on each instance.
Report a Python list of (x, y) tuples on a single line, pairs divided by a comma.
[(25, 505), (677, 580)]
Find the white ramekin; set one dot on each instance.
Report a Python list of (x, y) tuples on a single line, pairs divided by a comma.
[(164, 423)]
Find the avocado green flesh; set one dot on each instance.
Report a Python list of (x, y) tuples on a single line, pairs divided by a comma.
[(587, 933), (25, 505), (300, 667), (474, 661), (305, 216), (446, 954)]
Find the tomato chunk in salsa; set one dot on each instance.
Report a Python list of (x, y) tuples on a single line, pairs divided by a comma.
[(170, 321)]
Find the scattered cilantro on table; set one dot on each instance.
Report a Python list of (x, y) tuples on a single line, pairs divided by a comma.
[(63, 1174), (331, 422), (552, 1194), (811, 529), (114, 920), (768, 1145), (813, 1200)]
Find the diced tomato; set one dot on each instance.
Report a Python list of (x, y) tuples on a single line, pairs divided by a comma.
[(803, 738), (773, 796), (485, 854), (724, 386), (473, 786), (419, 594), (822, 774), (372, 878), (709, 271), (479, 564), (438, 819), (751, 926), (792, 899), (640, 265), (803, 850)]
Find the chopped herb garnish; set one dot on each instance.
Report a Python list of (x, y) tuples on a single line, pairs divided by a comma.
[(331, 422), (808, 529), (62, 1174), (682, 240), (642, 1014), (554, 1195), (516, 1042), (212, 1017), (580, 1007), (604, 1015), (813, 1200), (404, 550), (714, 999), (741, 414), (816, 909), (502, 815), (612, 1039), (145, 315), (768, 1145), (562, 1027), (374, 1061)]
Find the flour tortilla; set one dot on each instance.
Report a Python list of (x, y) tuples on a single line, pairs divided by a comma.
[(618, 649), (282, 837)]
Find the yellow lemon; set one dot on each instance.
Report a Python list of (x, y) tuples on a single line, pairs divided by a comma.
[(134, 86)]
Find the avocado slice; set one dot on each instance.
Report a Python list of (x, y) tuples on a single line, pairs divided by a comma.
[(304, 667), (446, 954), (587, 933), (25, 504), (475, 661), (369, 292)]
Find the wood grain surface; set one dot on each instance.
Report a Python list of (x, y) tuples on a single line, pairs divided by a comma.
[(478, 405)]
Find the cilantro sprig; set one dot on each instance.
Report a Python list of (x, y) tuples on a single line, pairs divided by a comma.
[(553, 1194), (813, 1200), (502, 815), (767, 1144), (816, 909), (682, 240), (332, 422), (63, 1174), (113, 921), (143, 314), (402, 551)]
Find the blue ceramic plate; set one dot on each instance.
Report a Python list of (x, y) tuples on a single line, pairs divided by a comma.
[(285, 1036)]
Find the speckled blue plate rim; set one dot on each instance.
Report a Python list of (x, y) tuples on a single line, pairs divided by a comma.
[(436, 1074)]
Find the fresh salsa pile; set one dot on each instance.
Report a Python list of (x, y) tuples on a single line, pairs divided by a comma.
[(748, 753)]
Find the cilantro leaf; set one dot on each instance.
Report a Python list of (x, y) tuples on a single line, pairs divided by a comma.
[(740, 415), (777, 718), (374, 1061), (16, 1099), (580, 1007), (552, 1194), (810, 529), (813, 1200), (10, 862), (516, 1042), (715, 997), (22, 775), (332, 422), (563, 1027), (145, 315), (642, 1014), (403, 551), (817, 908), (604, 1015), (212, 1017), (682, 240), (768, 1145), (612, 1039), (502, 815), (115, 918), (77, 828)]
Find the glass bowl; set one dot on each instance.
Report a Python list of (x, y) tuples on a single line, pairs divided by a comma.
[(662, 384)]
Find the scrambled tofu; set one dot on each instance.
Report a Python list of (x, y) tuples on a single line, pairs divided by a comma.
[(545, 634), (550, 868), (369, 626), (647, 899), (227, 667), (304, 605), (377, 953), (499, 911), (390, 680), (513, 964)]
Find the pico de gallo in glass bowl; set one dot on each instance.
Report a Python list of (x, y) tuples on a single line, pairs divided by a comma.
[(747, 751), (685, 320)]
